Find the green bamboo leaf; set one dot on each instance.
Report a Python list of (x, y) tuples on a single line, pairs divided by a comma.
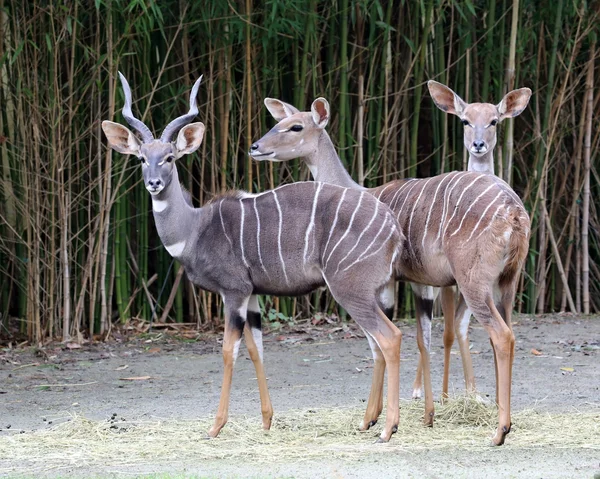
[(410, 44), (48, 42)]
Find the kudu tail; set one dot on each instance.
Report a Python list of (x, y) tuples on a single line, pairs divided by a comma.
[(518, 246)]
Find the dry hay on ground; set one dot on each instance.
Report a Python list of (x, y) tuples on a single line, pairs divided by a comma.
[(297, 435)]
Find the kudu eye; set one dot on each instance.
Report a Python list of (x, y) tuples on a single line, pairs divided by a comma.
[(465, 122), (493, 122), (170, 158), (297, 128)]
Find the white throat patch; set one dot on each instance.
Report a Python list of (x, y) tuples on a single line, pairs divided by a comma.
[(176, 249), (158, 205)]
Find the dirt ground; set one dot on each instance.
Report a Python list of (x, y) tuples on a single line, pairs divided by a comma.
[(556, 369)]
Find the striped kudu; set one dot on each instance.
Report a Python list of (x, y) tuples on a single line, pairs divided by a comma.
[(479, 138), (463, 228), (287, 241)]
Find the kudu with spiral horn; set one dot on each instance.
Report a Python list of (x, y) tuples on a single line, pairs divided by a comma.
[(286, 241)]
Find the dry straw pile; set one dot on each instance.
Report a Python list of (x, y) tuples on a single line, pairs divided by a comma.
[(297, 435)]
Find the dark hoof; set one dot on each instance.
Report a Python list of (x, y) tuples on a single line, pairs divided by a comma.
[(395, 429), (372, 423), (380, 441)]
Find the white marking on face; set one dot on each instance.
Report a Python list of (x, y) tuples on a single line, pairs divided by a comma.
[(258, 242), (159, 205), (347, 229), (242, 214), (279, 236), (176, 249), (311, 224), (301, 140)]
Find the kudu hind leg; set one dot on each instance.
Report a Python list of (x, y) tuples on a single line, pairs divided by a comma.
[(375, 402), (424, 297), (235, 317), (503, 341), (254, 343)]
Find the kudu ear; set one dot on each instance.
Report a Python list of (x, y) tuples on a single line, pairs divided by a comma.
[(320, 112), (445, 99), (121, 139), (189, 139), (513, 103), (279, 109)]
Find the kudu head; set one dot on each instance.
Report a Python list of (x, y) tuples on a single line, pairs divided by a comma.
[(297, 133), (480, 119), (156, 155)]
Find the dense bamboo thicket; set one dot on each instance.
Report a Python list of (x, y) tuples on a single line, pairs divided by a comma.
[(78, 249)]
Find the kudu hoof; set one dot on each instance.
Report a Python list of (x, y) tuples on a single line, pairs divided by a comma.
[(498, 439)]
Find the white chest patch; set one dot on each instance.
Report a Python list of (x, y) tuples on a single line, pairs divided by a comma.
[(158, 205), (176, 249)]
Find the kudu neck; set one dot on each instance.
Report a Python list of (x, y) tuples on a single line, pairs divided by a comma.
[(326, 166), (482, 164)]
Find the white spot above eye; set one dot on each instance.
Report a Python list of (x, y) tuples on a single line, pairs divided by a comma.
[(176, 249), (158, 205)]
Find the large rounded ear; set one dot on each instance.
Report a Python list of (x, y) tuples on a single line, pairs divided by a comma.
[(189, 139), (121, 139), (320, 112), (279, 109), (513, 103), (445, 99)]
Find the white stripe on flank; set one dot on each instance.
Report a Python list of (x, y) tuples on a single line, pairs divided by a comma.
[(362, 193), (279, 237), (258, 239), (334, 220), (176, 249), (312, 220), (363, 258), (242, 233), (433, 203), (491, 221), (383, 191), (447, 195), (415, 183), (471, 206), (387, 217), (413, 211), (159, 205), (223, 223), (397, 196), (359, 238), (456, 206)]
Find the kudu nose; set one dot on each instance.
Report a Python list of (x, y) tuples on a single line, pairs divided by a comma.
[(478, 144), (155, 183)]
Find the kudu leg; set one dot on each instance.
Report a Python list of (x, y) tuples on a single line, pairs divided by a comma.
[(389, 340), (375, 403), (424, 297), (461, 324), (235, 317), (503, 342), (254, 343), (448, 310)]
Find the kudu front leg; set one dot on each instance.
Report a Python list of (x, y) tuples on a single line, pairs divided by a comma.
[(254, 343), (235, 317), (461, 325), (375, 403)]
